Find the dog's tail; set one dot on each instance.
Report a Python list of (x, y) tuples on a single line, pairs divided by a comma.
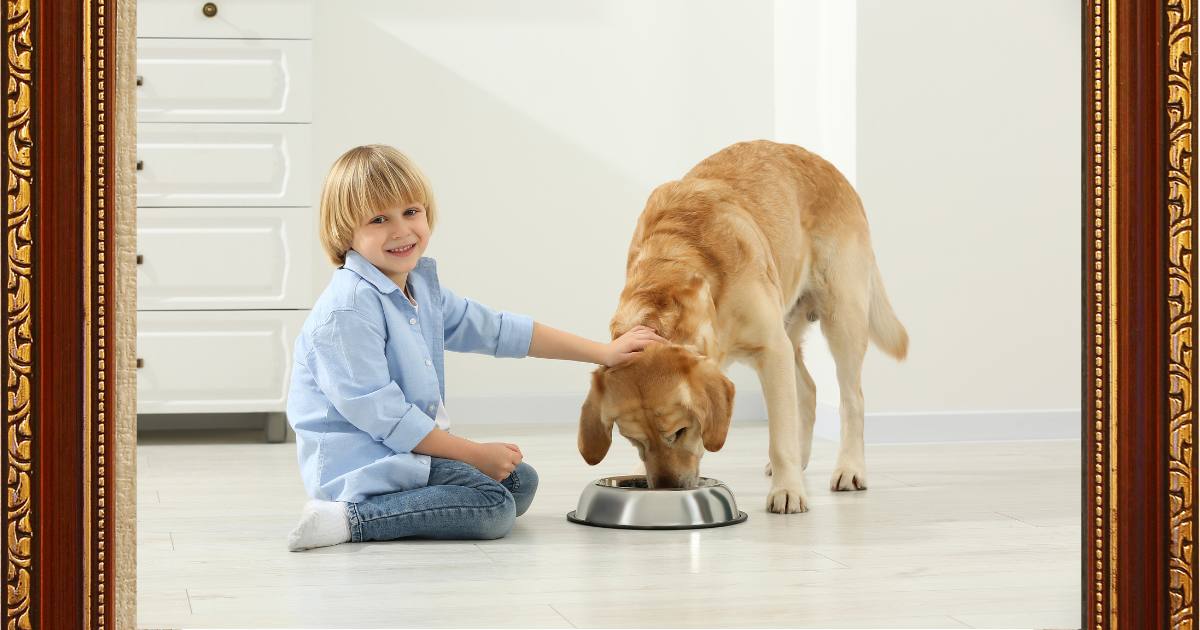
[(886, 331)]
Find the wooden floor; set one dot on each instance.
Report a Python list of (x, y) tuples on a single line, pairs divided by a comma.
[(948, 536)]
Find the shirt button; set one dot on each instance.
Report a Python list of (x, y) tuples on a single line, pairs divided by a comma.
[(428, 362), (432, 408), (413, 321)]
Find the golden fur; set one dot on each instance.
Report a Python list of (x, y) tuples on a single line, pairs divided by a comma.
[(733, 262)]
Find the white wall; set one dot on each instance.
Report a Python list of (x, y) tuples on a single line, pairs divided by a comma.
[(968, 165), (544, 126), (815, 69)]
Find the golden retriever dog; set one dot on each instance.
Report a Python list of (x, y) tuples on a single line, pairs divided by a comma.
[(732, 263)]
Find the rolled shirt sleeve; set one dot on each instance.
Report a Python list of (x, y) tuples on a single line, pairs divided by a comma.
[(348, 362), (473, 327)]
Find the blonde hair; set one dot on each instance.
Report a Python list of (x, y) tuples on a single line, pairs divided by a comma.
[(362, 182)]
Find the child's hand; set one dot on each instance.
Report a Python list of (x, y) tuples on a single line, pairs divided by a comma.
[(497, 459), (634, 340)]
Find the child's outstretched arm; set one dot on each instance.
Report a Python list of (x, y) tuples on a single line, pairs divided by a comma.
[(473, 327), (551, 343)]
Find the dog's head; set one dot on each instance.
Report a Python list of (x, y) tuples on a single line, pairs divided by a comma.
[(670, 403)]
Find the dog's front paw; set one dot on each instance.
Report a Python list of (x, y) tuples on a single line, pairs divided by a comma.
[(787, 498), (849, 476)]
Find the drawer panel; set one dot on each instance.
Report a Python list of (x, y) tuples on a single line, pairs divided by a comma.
[(225, 258), (288, 19), (207, 164), (215, 361), (214, 80)]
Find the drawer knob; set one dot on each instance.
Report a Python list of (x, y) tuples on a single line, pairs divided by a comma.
[(139, 259), (139, 80), (140, 362), (210, 9), (139, 165)]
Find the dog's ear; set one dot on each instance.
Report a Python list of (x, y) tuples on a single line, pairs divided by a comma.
[(715, 404), (595, 431)]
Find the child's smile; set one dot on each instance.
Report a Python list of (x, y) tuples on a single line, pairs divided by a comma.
[(402, 251)]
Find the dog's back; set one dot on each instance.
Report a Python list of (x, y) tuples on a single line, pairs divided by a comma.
[(808, 214), (792, 193)]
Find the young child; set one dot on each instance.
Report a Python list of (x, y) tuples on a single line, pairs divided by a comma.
[(367, 387)]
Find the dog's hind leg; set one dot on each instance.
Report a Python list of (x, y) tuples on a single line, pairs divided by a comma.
[(845, 324), (806, 392)]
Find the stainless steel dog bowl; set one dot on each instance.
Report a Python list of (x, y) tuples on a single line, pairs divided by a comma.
[(626, 502)]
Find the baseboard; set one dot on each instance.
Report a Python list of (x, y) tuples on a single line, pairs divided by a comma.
[(936, 426), (880, 428), (956, 426), (190, 421)]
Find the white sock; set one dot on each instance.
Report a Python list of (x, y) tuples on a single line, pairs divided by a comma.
[(322, 523)]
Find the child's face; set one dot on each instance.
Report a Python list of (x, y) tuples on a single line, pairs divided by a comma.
[(394, 239)]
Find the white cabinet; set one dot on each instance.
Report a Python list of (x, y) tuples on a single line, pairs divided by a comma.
[(218, 258), (215, 361), (237, 19), (224, 80), (204, 164), (227, 242)]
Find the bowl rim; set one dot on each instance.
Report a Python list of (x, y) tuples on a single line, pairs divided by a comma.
[(741, 517), (703, 483)]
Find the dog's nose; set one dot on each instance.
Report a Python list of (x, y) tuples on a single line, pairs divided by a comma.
[(666, 482), (658, 482)]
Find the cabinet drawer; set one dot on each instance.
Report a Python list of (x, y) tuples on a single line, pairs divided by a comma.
[(287, 19), (224, 165), (225, 258), (215, 361), (224, 80)]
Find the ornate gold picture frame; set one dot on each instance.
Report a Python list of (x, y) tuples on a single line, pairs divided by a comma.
[(68, 458)]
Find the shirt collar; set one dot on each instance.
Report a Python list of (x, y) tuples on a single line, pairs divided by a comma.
[(358, 264)]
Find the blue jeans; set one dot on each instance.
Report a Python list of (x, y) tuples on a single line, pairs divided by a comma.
[(460, 503)]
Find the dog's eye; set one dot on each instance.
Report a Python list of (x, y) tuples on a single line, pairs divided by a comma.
[(679, 433)]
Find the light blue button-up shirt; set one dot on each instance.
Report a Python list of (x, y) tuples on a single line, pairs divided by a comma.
[(368, 375)]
